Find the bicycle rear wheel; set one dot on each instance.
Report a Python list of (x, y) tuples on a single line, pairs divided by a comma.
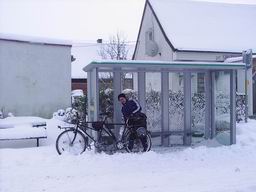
[(71, 141), (137, 146)]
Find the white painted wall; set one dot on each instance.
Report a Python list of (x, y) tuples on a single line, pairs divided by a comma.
[(241, 87), (35, 79), (165, 51), (202, 56)]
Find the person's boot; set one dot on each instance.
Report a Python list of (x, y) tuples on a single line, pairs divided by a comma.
[(144, 143), (130, 144)]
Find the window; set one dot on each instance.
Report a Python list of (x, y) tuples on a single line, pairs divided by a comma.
[(149, 35)]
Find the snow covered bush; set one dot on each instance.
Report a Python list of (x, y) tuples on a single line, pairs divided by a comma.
[(176, 102), (78, 111), (153, 109), (130, 94), (76, 93), (81, 106), (106, 104), (222, 103), (69, 115), (198, 111), (176, 110), (222, 111), (240, 107)]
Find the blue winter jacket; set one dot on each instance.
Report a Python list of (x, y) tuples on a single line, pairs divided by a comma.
[(130, 107)]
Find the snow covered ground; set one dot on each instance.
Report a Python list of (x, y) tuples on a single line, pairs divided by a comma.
[(197, 169)]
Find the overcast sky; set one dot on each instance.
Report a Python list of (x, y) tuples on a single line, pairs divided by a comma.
[(76, 20)]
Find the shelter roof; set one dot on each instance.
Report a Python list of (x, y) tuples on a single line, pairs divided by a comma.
[(161, 65)]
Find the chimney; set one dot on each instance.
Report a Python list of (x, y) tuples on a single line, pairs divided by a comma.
[(99, 40)]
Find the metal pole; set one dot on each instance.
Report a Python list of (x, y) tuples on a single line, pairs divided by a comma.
[(117, 91), (208, 106), (165, 107), (246, 97), (232, 107), (213, 105), (247, 59), (187, 108), (245, 89), (142, 89)]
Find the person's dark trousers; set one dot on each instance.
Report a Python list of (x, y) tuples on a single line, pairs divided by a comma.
[(143, 139), (144, 142), (131, 140)]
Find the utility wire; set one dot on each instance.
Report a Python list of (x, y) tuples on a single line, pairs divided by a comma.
[(91, 44)]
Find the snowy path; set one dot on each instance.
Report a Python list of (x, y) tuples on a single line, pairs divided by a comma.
[(202, 169)]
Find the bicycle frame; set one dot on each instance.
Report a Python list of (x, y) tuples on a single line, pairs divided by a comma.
[(104, 139), (84, 128)]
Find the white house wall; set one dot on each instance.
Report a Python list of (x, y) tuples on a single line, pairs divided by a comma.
[(35, 79), (165, 52), (202, 56), (241, 87)]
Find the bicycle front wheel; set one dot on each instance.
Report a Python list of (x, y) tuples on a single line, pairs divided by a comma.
[(71, 141), (137, 145)]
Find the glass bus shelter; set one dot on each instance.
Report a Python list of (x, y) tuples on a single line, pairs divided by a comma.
[(185, 102)]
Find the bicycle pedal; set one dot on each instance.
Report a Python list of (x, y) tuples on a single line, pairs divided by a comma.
[(120, 145), (89, 148)]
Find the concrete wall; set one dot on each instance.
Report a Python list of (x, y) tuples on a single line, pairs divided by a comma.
[(35, 79)]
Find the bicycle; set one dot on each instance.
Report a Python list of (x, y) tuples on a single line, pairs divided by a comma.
[(75, 140)]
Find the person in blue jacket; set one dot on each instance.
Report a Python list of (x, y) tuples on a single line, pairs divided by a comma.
[(131, 108)]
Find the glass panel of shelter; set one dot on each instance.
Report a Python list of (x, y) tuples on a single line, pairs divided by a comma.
[(129, 84), (153, 104), (106, 96), (176, 108), (222, 110), (198, 107), (153, 96)]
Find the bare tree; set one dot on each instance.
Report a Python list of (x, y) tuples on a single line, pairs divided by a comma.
[(115, 49)]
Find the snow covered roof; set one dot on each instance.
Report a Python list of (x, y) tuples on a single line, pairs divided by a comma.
[(207, 26), (84, 54), (33, 39)]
